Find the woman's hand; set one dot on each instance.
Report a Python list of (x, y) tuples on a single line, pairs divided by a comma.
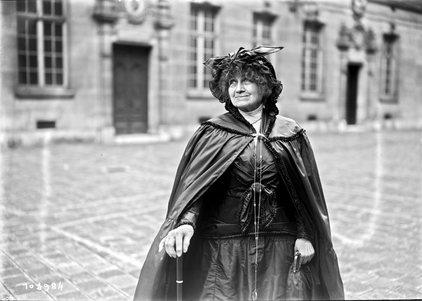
[(306, 250), (176, 240)]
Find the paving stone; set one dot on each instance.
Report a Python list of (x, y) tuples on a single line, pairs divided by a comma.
[(5, 294), (10, 271), (39, 295), (14, 280), (122, 281), (73, 296), (92, 285), (130, 291), (110, 273), (81, 277), (22, 288), (104, 293), (119, 298), (6, 262), (71, 268), (30, 262), (56, 258), (59, 288)]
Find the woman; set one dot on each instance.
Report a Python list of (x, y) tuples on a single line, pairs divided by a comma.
[(246, 197)]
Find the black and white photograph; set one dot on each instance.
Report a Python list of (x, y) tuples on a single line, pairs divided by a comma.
[(210, 150)]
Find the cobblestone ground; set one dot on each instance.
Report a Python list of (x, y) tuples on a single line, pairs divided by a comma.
[(77, 220)]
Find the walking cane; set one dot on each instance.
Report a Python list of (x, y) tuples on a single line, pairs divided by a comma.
[(179, 277)]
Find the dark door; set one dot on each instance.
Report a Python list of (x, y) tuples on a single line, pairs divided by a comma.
[(352, 93), (130, 89)]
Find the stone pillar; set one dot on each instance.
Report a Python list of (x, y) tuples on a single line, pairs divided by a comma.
[(371, 50), (106, 13), (163, 24), (343, 45)]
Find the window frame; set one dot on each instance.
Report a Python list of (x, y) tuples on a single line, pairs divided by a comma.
[(259, 18), (198, 33), (390, 74), (306, 61), (260, 22), (43, 90)]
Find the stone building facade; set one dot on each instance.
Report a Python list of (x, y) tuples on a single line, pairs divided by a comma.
[(106, 70)]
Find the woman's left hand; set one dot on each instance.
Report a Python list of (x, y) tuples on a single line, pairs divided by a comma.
[(306, 250)]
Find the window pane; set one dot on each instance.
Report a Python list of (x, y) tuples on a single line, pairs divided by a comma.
[(33, 78), (59, 63), (46, 7), (48, 78), (209, 26), (314, 39), (22, 60), (32, 6), (32, 44), (22, 44), (208, 21), (48, 61), (193, 19), (47, 45), (59, 48), (193, 25), (22, 78), (58, 30), (194, 13), (59, 79), (32, 27), (20, 5), (33, 63), (21, 26), (47, 28), (58, 8), (209, 44), (192, 83)]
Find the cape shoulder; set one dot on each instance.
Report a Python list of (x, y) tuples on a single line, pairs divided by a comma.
[(285, 129), (228, 123)]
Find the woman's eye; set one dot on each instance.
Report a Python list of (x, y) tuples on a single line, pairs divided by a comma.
[(233, 82), (247, 82)]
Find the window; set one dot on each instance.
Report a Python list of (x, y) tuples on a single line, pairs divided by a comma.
[(41, 43), (389, 68), (311, 58), (262, 29), (202, 45)]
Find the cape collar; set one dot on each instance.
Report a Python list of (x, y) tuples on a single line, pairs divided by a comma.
[(283, 128)]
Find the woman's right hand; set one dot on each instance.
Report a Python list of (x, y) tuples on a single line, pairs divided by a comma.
[(177, 240)]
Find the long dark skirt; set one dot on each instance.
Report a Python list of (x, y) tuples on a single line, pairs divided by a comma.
[(225, 268)]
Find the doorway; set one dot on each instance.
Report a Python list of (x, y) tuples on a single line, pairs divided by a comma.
[(130, 89), (352, 93)]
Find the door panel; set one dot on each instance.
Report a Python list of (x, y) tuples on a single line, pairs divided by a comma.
[(352, 93), (130, 96)]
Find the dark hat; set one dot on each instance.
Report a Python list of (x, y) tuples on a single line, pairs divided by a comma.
[(254, 59)]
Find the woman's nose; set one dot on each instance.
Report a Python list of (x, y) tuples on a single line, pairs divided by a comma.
[(240, 88)]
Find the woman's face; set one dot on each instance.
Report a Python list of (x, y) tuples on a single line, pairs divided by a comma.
[(244, 94)]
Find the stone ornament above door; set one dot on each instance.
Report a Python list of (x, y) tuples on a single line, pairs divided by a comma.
[(135, 10), (358, 8)]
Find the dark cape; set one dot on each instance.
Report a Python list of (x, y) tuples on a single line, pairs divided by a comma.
[(203, 162)]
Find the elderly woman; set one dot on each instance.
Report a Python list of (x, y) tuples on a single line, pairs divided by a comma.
[(246, 197)]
